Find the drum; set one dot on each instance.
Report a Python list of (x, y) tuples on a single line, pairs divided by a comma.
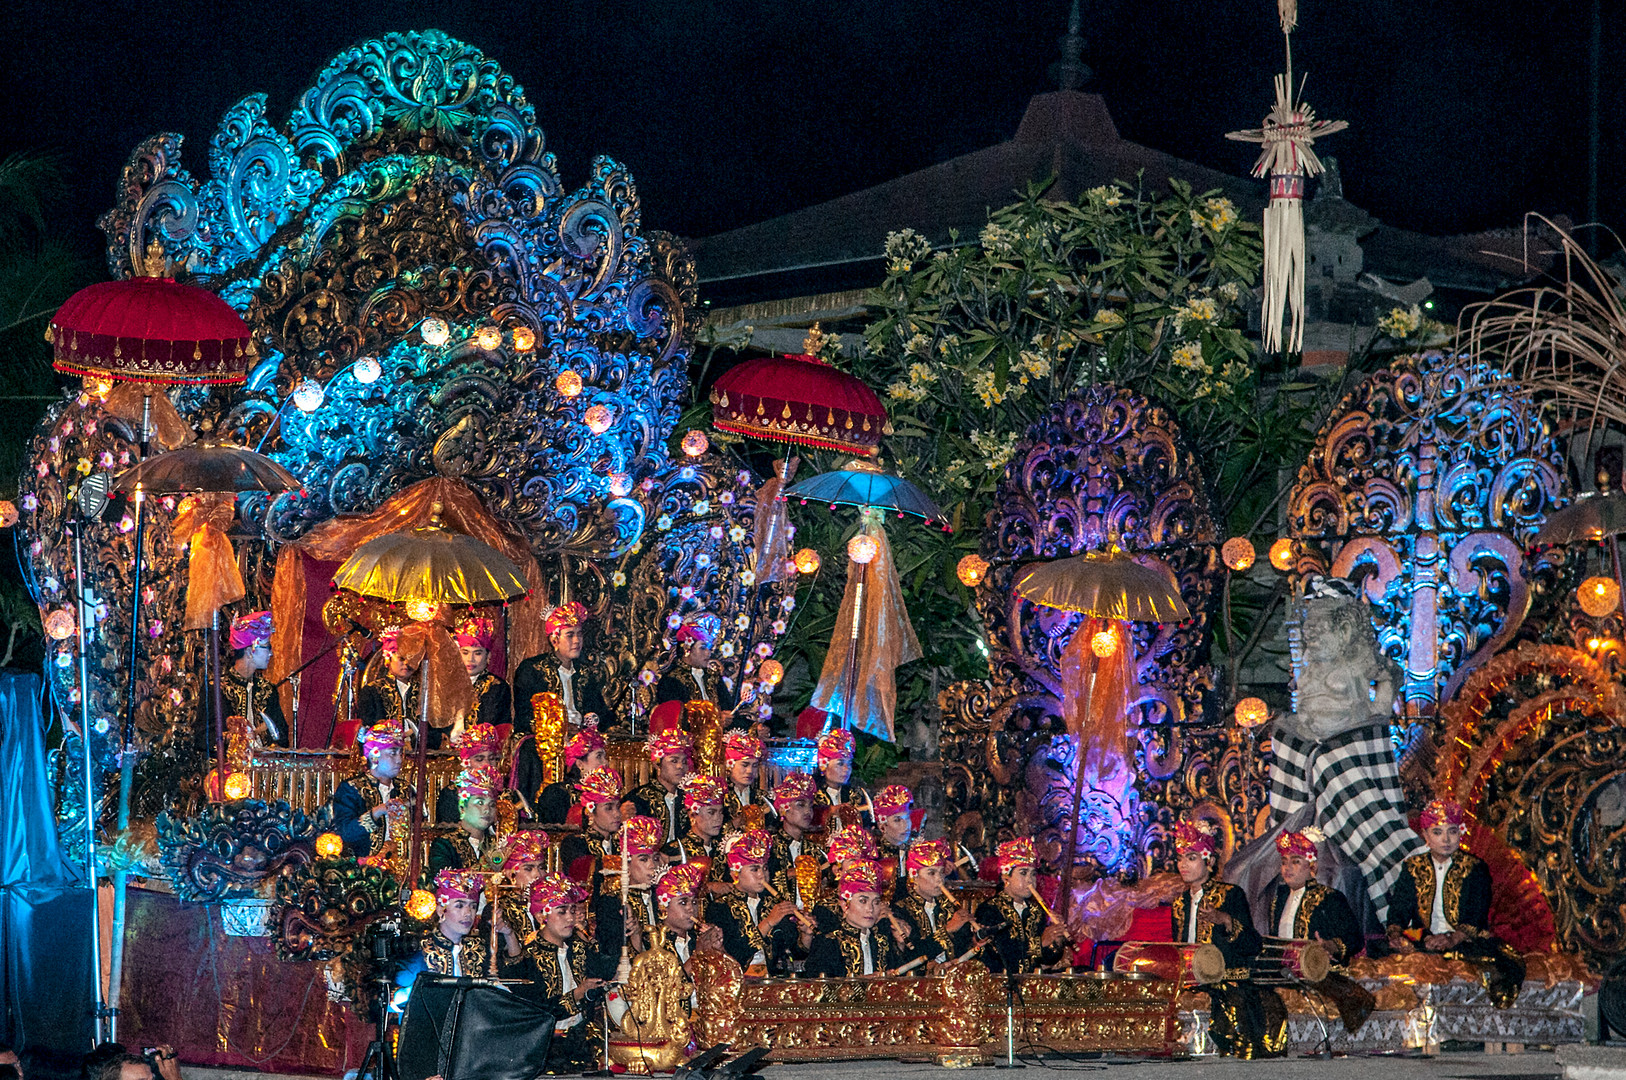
[(1282, 961), (1186, 964)]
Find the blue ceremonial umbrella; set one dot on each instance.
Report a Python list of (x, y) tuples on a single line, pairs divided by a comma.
[(861, 483)]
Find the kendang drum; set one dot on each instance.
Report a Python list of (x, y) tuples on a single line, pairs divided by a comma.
[(1185, 964), (1284, 961)]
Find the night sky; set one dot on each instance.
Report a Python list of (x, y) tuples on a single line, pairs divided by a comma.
[(1463, 114)]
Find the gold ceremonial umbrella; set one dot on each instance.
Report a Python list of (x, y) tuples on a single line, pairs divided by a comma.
[(433, 564), (1106, 585)]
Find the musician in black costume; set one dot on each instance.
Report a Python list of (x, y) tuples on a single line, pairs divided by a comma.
[(845, 850), (471, 846), (1303, 909), (521, 858), (835, 786), (453, 949), (478, 747), (584, 755), (494, 704), (641, 862), (763, 933), (1019, 939), (582, 854), (939, 925), (703, 799), (742, 754), (793, 801), (859, 946), (662, 798), (563, 672), (1247, 1021), (695, 676), (242, 691), (1441, 904), (565, 972), (363, 805), (390, 690)]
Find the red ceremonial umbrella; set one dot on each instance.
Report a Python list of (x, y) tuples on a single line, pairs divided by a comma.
[(151, 330), (799, 399)]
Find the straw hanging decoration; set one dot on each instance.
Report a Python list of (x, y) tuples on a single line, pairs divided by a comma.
[(1288, 137)]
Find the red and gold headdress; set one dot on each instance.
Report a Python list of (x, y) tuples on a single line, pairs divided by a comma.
[(552, 891), (796, 785), (564, 617), (477, 737), (386, 735), (927, 853), (481, 783), (893, 799), (644, 835), (675, 741), (1301, 843), (581, 744), (1448, 811), (835, 746), (702, 789), (684, 879), (741, 746), (458, 885), (600, 786), (746, 848), (1196, 835), (1017, 853), (848, 845), (521, 846), (477, 632), (860, 877)]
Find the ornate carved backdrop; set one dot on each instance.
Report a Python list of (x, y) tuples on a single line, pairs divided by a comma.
[(1107, 466), (409, 188)]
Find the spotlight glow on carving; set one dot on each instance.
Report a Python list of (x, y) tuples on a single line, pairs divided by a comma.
[(308, 396), (368, 369), (1282, 553), (435, 331)]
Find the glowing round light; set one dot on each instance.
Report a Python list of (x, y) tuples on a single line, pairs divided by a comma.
[(1251, 712), (620, 485), (1103, 643), (8, 513), (419, 610), (435, 331), (368, 369), (862, 548), (971, 570), (1593, 644), (329, 846), (771, 671), (598, 419), (238, 785), (568, 383), (1282, 553), (488, 338), (308, 396), (807, 561), (99, 385), (524, 338), (695, 442), (1238, 553), (60, 624), (421, 905), (1598, 596)]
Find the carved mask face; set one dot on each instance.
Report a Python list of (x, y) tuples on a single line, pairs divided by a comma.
[(1339, 669)]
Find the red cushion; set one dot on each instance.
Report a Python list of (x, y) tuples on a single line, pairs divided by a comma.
[(344, 734), (1151, 924), (810, 723), (667, 716)]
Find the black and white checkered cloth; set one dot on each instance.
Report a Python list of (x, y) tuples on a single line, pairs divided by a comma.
[(1354, 782)]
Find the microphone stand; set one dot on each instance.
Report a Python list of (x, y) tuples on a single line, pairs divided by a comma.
[(338, 639)]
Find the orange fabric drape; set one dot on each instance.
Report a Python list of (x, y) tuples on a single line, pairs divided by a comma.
[(334, 540), (885, 640), (213, 580), (771, 540), (1103, 733), (127, 400)]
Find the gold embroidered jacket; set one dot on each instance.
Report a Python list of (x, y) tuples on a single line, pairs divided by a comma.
[(437, 954), (1015, 943), (1466, 895), (841, 954), (650, 801), (544, 971), (1324, 911), (1241, 943), (925, 940)]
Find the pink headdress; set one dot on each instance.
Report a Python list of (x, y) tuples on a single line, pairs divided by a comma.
[(386, 735), (584, 742), (684, 879), (458, 885), (564, 617), (893, 799), (1014, 854), (475, 738), (741, 746), (1448, 811), (476, 631), (796, 785), (848, 845), (859, 878), (1195, 835), (552, 891), (928, 853), (746, 848), (835, 746), (482, 783), (1301, 843), (644, 835), (521, 846), (251, 629), (674, 741), (700, 790), (601, 786)]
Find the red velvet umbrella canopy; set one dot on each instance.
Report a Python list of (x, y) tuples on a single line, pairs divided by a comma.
[(151, 330), (799, 399)]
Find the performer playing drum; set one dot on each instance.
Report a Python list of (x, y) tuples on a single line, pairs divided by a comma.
[(1247, 1022), (1441, 904)]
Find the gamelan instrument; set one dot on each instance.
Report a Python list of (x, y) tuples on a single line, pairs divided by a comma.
[(1285, 961), (1189, 965)]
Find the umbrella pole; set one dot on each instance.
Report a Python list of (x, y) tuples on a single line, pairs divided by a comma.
[(85, 614), (135, 617), (850, 691), (218, 707), (1070, 854), (421, 780)]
